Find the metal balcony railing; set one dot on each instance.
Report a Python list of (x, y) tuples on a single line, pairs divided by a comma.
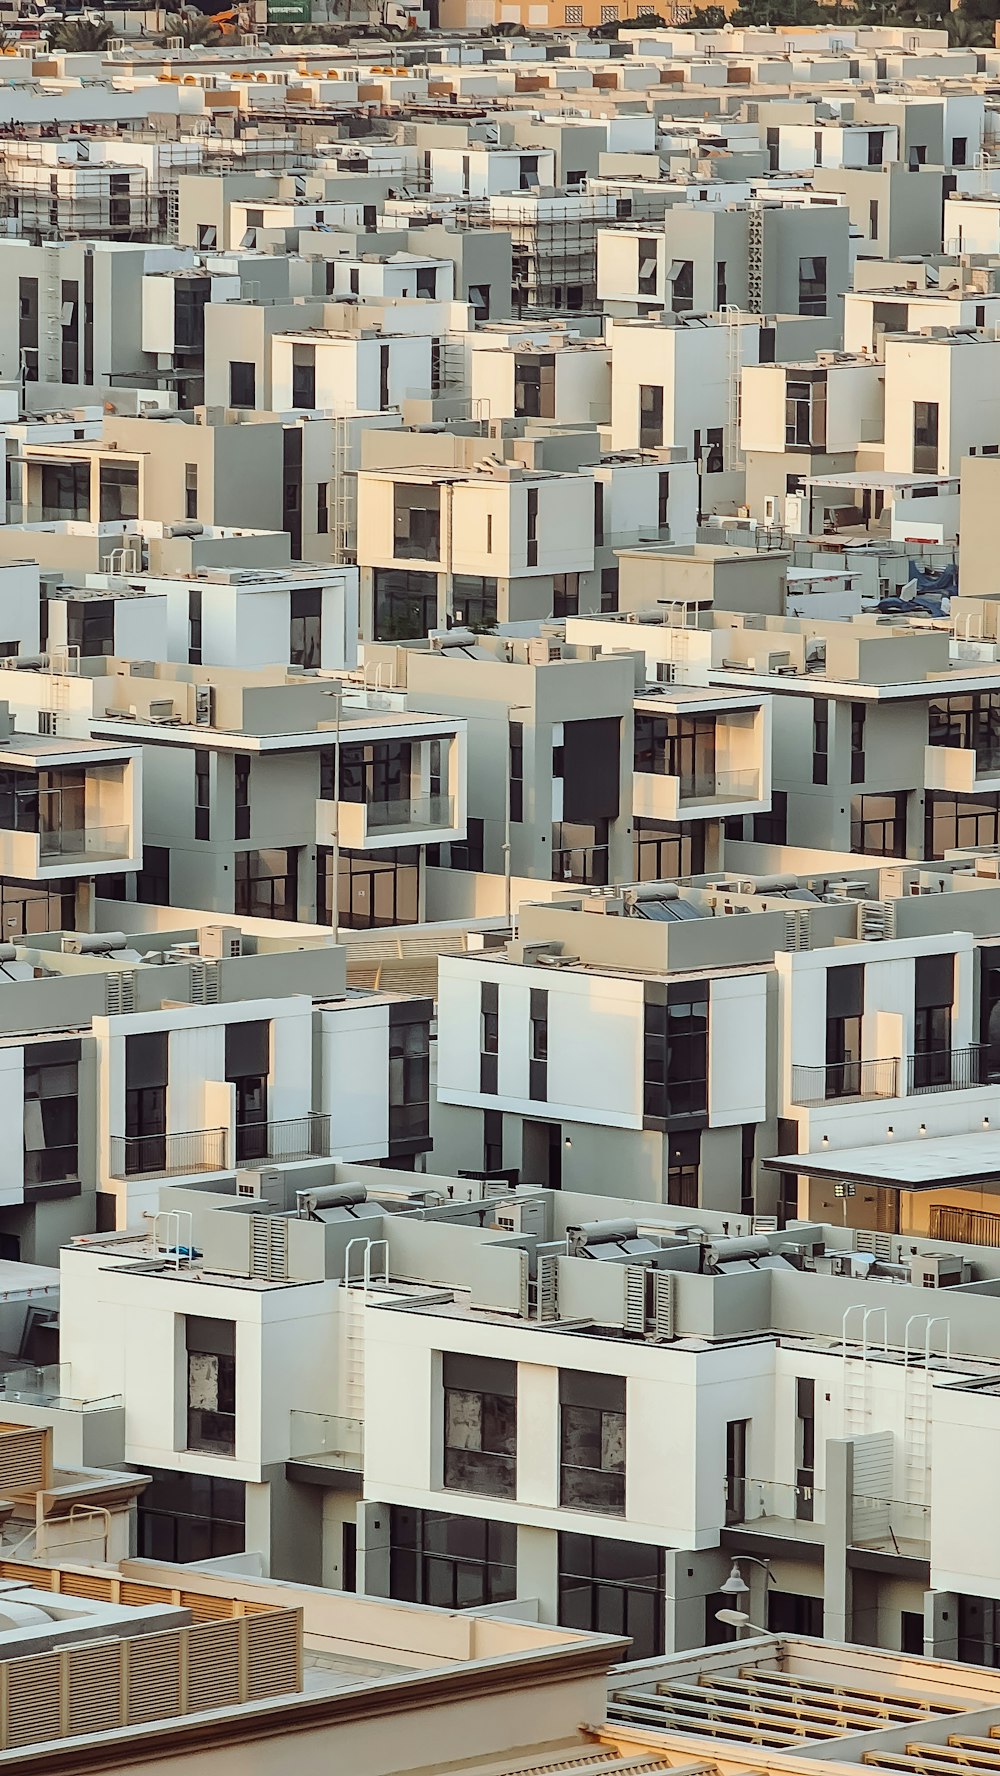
[(167, 1155), (845, 1079), (298, 1137), (947, 1069)]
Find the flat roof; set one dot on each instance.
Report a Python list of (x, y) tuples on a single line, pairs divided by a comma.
[(963, 1160)]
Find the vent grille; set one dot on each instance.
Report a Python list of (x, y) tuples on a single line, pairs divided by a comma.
[(635, 1298), (120, 991), (154, 1679), (33, 1700), (269, 1248), (663, 1303), (273, 1644), (93, 1689), (206, 983), (23, 1462), (214, 1665)]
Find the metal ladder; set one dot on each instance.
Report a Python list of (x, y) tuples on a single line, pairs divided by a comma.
[(917, 1402), (857, 1362), (733, 456)]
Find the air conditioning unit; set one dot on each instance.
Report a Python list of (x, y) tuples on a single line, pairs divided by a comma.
[(219, 943)]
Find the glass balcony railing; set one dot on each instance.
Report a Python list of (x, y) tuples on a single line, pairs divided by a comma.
[(326, 1441), (761, 1503), (50, 1385), (151, 1156), (96, 842), (892, 1526), (845, 1079), (413, 811), (721, 786)]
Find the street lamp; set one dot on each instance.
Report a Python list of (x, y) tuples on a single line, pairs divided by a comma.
[(739, 1620), (337, 693)]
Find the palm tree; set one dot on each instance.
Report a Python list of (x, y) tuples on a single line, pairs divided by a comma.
[(969, 33), (80, 36), (195, 29)]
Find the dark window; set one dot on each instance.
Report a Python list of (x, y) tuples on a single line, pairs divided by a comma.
[(647, 267), (416, 521), (954, 823), (248, 1061), (875, 148), (50, 1112), (737, 1437), (383, 377), (566, 595), (599, 514), (211, 1365), (190, 490), (515, 731), (303, 376), (266, 884), (845, 1004), (322, 508), (489, 1035), (70, 330), (65, 491), (305, 626), (479, 299), (152, 883), (662, 853), (878, 824), (858, 714), (90, 626), (681, 280), (609, 588), (242, 384), (683, 1166), (612, 1587), (119, 495), (195, 632), (663, 499), (805, 1447), (492, 1140), (771, 828), (959, 150), (805, 413), (650, 417), (580, 851), (531, 556), (409, 1082), (592, 1441), (190, 297), (675, 1056), (925, 437), (535, 386), (406, 604), (27, 308), (911, 1632), (185, 1517), (812, 286), (451, 1562), (241, 795), (790, 1612), (202, 793), (474, 600), (721, 297), (480, 1424), (145, 1102), (821, 739), (538, 1044), (934, 992)]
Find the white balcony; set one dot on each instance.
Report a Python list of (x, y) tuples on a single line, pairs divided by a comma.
[(703, 795), (961, 770), (370, 826)]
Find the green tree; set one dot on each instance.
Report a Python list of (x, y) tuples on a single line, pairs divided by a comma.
[(966, 31), (80, 36), (195, 29)]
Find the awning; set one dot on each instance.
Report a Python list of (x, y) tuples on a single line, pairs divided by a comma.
[(962, 1161)]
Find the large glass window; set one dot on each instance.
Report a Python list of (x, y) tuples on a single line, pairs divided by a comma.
[(406, 604), (184, 1517), (409, 1081), (211, 1392), (119, 491), (666, 851), (474, 600), (305, 629), (925, 437), (650, 416), (535, 386), (451, 1562), (51, 1112), (266, 884), (592, 1441), (878, 824), (675, 1055), (376, 888), (416, 522), (677, 746), (480, 1424), (65, 491), (958, 823), (146, 1102), (612, 1587), (812, 286)]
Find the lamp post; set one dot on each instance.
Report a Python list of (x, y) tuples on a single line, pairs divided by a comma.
[(337, 693), (739, 1620), (512, 709)]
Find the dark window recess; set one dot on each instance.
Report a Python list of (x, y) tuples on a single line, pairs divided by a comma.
[(812, 286), (266, 884), (409, 1082), (242, 384), (531, 555), (195, 632), (541, 1154), (858, 716), (664, 852), (820, 739), (683, 1167), (925, 437), (489, 1035), (202, 793), (474, 600), (737, 1438), (565, 595), (406, 604), (650, 417), (146, 1101), (538, 1045), (383, 377), (152, 883), (592, 1441), (211, 1393), (51, 1112), (878, 824), (480, 1424), (609, 588), (515, 731), (791, 1612), (305, 626), (322, 508), (248, 1061), (119, 491), (291, 488), (90, 626), (374, 890), (190, 490), (805, 1447), (535, 386), (27, 909), (65, 491), (675, 1056), (451, 1562), (27, 309), (680, 277), (934, 993), (416, 521), (303, 376), (612, 1587), (70, 319), (185, 1517), (241, 795), (492, 1141), (953, 823), (845, 1004)]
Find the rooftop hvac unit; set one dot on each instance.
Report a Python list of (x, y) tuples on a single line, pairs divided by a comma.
[(521, 1215), (161, 709), (219, 943), (265, 1183), (937, 1270)]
